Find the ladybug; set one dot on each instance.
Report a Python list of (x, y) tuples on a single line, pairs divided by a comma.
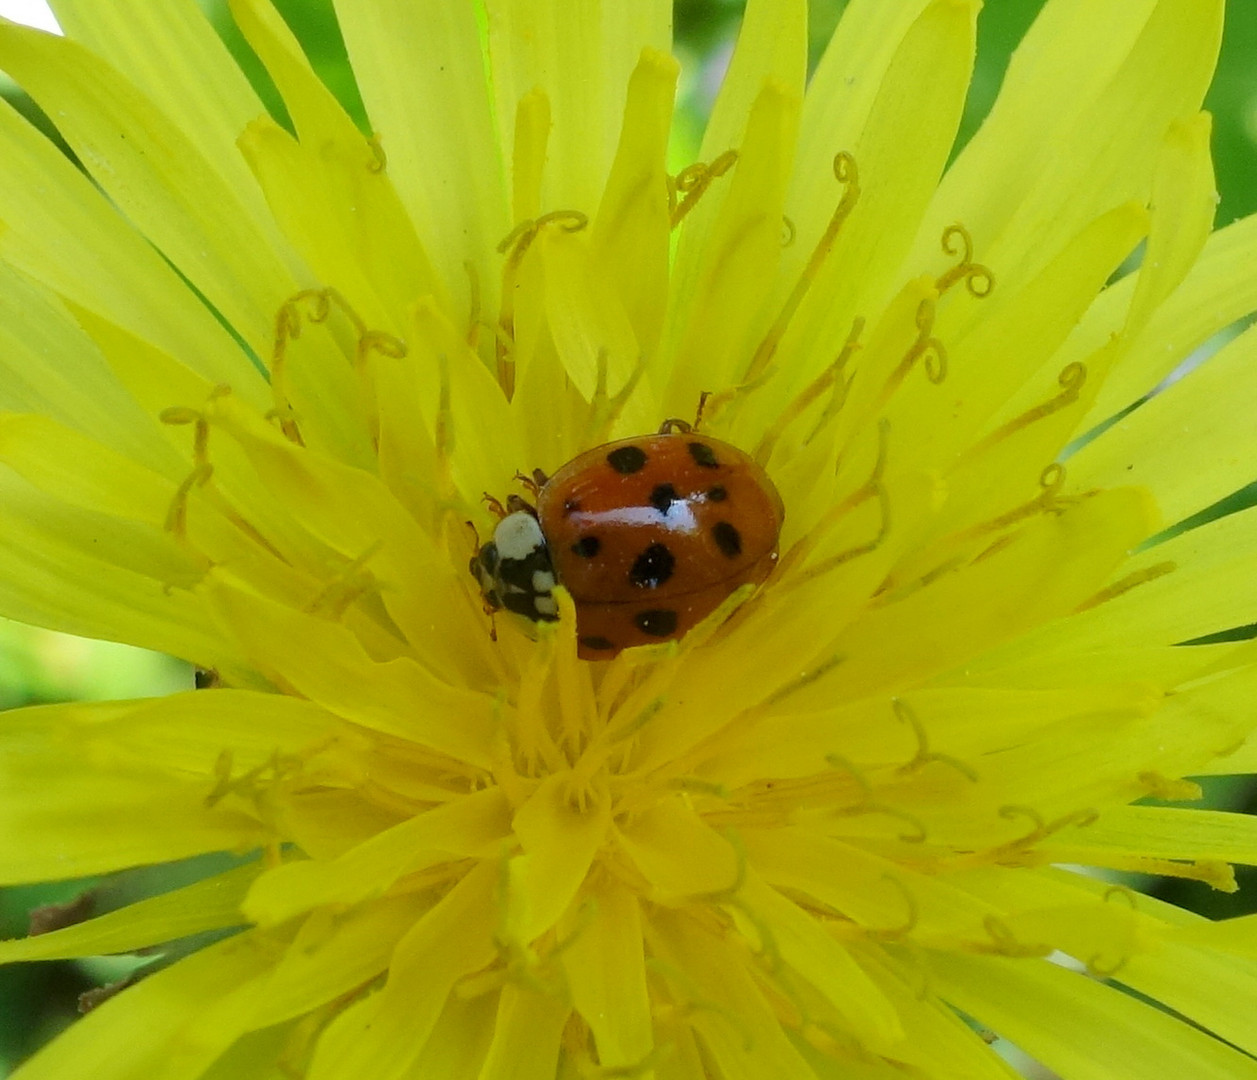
[(649, 535)]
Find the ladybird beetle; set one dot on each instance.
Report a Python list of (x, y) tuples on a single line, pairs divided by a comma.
[(649, 535)]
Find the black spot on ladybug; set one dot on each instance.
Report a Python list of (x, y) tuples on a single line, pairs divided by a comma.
[(717, 493), (587, 547), (657, 622), (663, 497), (570, 506), (652, 567), (727, 538), (704, 455), (627, 459), (597, 643)]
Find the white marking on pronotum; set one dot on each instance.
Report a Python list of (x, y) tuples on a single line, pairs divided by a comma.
[(518, 535)]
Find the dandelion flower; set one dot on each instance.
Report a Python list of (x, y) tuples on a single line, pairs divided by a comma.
[(259, 375)]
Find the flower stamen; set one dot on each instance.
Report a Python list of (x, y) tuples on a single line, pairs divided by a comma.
[(202, 472), (1004, 942), (605, 409), (1071, 379), (515, 246), (873, 487), (847, 174), (472, 336), (924, 755), (1130, 581), (349, 585), (692, 183), (827, 378), (1170, 789), (926, 347), (978, 279), (1041, 829), (893, 933)]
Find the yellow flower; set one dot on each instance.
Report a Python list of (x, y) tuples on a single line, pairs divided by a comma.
[(258, 379)]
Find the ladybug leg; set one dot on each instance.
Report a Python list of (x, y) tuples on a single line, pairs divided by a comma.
[(516, 503), (684, 427), (495, 507), (533, 483)]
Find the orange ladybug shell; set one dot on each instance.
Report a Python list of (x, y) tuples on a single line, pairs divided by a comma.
[(650, 534)]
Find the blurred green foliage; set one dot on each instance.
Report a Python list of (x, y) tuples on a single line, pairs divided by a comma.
[(36, 1000)]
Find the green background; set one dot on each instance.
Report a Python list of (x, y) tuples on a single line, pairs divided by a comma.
[(37, 1000)]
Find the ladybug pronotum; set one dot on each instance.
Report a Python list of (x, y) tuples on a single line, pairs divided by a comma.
[(649, 535)]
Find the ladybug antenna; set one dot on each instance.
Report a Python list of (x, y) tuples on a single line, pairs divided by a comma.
[(702, 404), (675, 424)]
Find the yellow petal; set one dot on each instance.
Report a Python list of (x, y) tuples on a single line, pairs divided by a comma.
[(994, 352), (771, 47), (1183, 202), (1208, 988), (145, 773), (325, 662), (330, 956), (840, 95), (161, 1006), (1025, 583), (1216, 292), (210, 904), (330, 189), (605, 966), (899, 155), (1194, 584), (802, 942), (719, 296), (1080, 1028), (383, 1034), (1159, 832), (156, 177), (471, 826), (78, 390), (1052, 156), (704, 862), (580, 57), (872, 891), (587, 322), (48, 208), (136, 577), (737, 1025), (630, 233), (1210, 413), (422, 78), (527, 1037), (193, 77), (559, 838)]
